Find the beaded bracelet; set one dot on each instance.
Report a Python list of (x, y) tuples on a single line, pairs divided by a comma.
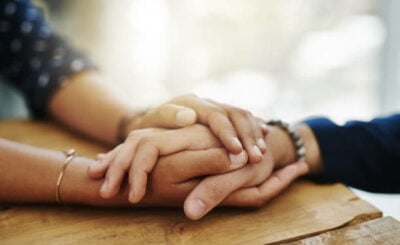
[(69, 154), (294, 136)]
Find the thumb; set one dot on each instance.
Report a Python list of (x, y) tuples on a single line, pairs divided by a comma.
[(169, 116)]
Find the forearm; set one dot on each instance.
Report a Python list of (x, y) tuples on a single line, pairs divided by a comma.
[(89, 106), (29, 175)]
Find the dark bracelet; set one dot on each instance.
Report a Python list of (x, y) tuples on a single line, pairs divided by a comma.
[(294, 136), (122, 126), (124, 123)]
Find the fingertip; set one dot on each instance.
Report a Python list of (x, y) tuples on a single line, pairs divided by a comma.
[(137, 190), (131, 196), (104, 190), (94, 171), (233, 145), (186, 117), (261, 144), (238, 160), (264, 128), (195, 209), (100, 156), (255, 154), (135, 196)]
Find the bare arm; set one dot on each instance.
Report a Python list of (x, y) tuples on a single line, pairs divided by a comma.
[(29, 174), (90, 106)]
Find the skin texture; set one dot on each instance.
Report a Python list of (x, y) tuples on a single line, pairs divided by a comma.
[(87, 104), (251, 185), (233, 135), (238, 131), (174, 182)]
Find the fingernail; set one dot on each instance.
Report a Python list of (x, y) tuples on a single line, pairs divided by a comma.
[(131, 195), (100, 157), (261, 144), (186, 117), (95, 164), (196, 208), (238, 159), (264, 127), (256, 150), (104, 187), (237, 143)]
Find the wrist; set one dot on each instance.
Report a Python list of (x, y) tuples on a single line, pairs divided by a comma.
[(280, 146), (77, 188), (283, 148), (128, 122), (313, 156)]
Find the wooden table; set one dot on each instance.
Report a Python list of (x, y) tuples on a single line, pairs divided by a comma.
[(305, 211)]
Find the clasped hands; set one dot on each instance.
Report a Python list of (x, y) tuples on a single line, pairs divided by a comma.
[(198, 154)]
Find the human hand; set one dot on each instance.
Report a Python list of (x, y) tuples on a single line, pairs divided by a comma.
[(140, 151), (237, 129), (252, 185), (177, 175)]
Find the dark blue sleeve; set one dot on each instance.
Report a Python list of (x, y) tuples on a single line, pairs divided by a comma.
[(365, 155), (33, 58)]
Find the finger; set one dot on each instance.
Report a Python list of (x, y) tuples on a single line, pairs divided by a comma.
[(210, 113), (164, 143), (143, 163), (99, 168), (259, 134), (214, 189), (225, 131), (169, 116), (182, 166), (263, 126), (247, 133), (274, 185), (118, 167), (100, 156)]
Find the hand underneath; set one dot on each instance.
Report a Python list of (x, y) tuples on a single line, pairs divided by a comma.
[(140, 152), (251, 185), (236, 128), (178, 177)]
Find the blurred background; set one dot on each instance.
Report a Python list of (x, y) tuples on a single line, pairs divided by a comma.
[(282, 59), (286, 59)]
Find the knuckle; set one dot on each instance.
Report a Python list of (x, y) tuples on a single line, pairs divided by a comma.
[(215, 192), (223, 131), (222, 160), (145, 141), (135, 134), (218, 111)]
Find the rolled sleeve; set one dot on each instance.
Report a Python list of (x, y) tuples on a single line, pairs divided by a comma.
[(365, 155)]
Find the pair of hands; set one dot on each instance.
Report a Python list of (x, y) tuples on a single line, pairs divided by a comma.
[(177, 160)]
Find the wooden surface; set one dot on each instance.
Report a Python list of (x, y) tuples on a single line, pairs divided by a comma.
[(379, 231), (305, 209)]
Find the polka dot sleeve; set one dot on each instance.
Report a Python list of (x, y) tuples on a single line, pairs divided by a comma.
[(33, 58)]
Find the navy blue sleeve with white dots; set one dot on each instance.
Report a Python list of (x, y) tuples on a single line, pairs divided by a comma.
[(32, 57)]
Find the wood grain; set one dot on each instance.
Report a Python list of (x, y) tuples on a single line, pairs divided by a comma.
[(305, 209), (379, 231)]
